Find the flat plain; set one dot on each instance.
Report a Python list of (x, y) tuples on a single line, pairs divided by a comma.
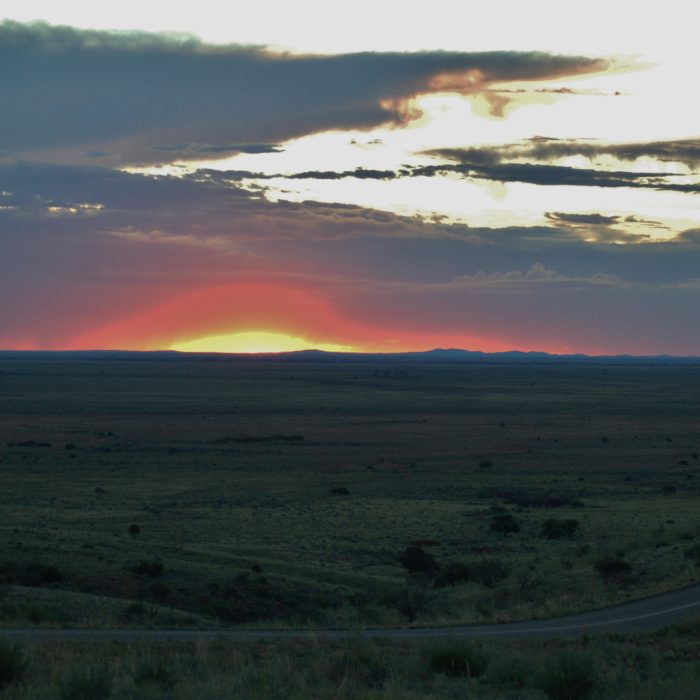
[(227, 492), (218, 493)]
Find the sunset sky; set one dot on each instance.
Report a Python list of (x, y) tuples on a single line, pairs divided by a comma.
[(368, 176)]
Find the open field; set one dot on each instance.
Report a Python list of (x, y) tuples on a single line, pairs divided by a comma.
[(284, 493), (646, 667)]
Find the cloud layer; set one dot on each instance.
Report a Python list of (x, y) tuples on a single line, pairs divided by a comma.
[(125, 92), (87, 252)]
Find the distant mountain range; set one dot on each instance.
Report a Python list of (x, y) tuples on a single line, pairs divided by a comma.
[(437, 356)]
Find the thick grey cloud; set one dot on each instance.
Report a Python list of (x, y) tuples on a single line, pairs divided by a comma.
[(194, 150), (93, 202), (685, 151), (68, 88), (485, 168)]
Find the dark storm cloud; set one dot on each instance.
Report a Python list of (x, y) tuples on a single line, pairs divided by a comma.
[(91, 202), (485, 168), (66, 87), (205, 149), (538, 174), (685, 151), (596, 219), (94, 200), (600, 219)]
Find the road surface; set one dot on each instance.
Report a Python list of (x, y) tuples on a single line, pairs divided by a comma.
[(644, 615)]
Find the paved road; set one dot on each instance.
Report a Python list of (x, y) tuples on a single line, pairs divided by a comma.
[(644, 615)]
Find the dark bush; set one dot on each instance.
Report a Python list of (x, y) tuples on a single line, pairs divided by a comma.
[(340, 491), (159, 591), (417, 560), (611, 567), (505, 523), (135, 611), (553, 528), (486, 572), (459, 659), (569, 676), (360, 664), (94, 683), (511, 671), (134, 530), (693, 553), (453, 573), (154, 569), (153, 673), (30, 573), (489, 572), (529, 500), (13, 665)]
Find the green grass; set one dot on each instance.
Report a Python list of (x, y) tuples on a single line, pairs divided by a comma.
[(246, 524), (662, 665)]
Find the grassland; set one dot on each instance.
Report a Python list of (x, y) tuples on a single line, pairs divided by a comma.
[(651, 667), (284, 493)]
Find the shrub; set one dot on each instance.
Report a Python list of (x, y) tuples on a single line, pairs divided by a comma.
[(417, 560), (569, 676), (511, 671), (529, 500), (553, 528), (453, 573), (610, 566), (360, 664), (13, 665), (159, 591), (505, 523), (30, 573), (693, 553), (135, 611), (152, 673), (489, 572), (459, 659), (134, 530), (93, 683), (486, 572), (154, 569)]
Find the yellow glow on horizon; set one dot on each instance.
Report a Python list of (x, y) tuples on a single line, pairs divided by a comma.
[(255, 342)]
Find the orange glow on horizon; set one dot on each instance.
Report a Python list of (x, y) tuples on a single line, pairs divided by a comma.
[(227, 319), (255, 342)]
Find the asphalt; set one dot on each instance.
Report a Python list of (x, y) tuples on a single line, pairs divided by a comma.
[(645, 615)]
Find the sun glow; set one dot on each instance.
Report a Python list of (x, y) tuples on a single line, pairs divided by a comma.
[(255, 342)]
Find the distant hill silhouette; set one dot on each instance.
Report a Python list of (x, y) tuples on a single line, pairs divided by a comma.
[(436, 356)]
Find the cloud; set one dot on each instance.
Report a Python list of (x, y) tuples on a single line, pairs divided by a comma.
[(484, 167), (84, 248), (193, 150), (123, 92), (686, 151)]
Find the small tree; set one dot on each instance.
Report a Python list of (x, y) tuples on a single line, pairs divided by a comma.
[(505, 523), (417, 561)]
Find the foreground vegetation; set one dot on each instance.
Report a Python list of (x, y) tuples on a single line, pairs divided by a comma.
[(663, 665), (205, 493)]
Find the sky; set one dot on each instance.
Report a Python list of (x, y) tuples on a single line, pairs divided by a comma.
[(367, 176)]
